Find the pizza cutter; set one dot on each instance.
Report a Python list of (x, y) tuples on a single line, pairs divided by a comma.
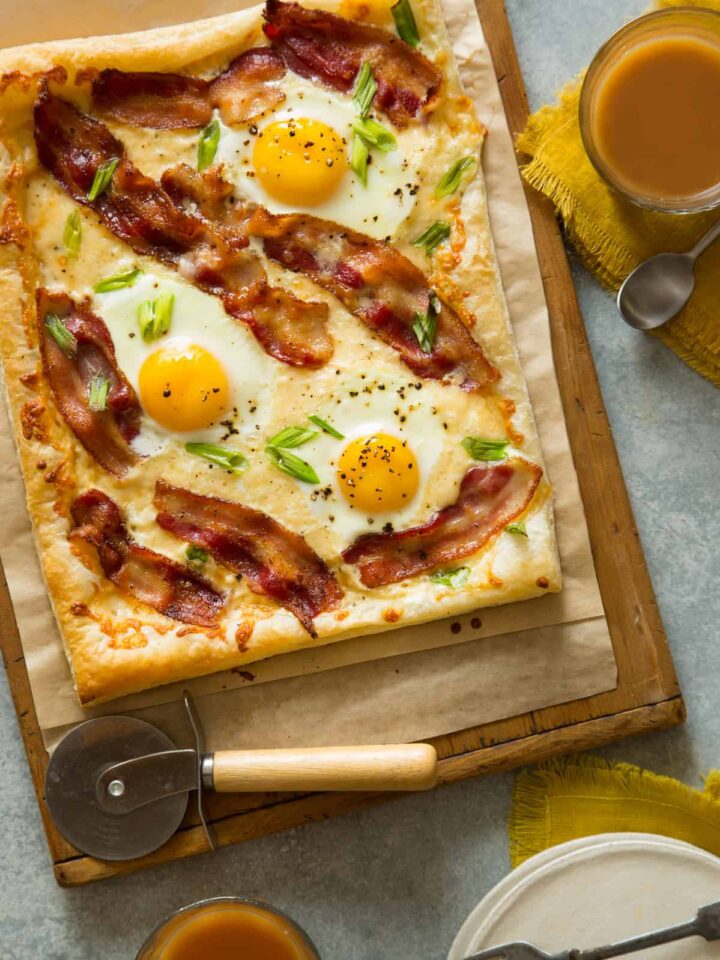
[(117, 787)]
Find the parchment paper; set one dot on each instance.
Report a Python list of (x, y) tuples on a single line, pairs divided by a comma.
[(405, 684)]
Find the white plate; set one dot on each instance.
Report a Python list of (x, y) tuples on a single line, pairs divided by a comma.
[(596, 890)]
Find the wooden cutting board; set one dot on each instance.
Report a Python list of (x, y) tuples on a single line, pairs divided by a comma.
[(647, 696)]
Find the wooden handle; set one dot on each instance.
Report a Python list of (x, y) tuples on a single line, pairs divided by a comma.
[(411, 766)]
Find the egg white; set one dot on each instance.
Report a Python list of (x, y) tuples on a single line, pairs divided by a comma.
[(360, 410), (197, 318), (377, 209)]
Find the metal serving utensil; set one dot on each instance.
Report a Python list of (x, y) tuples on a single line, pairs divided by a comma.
[(117, 787), (706, 925), (659, 288)]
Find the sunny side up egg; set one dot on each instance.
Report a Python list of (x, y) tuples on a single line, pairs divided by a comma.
[(380, 470), (207, 374), (297, 159)]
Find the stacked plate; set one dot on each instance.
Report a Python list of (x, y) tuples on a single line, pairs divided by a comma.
[(593, 891)]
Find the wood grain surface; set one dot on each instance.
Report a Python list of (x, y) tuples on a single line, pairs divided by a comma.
[(647, 696)]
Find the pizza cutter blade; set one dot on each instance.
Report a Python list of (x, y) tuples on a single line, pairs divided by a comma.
[(117, 787), (71, 790)]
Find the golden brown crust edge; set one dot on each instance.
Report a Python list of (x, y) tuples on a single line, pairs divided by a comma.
[(102, 672)]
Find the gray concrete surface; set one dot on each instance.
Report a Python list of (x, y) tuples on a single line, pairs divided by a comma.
[(397, 881)]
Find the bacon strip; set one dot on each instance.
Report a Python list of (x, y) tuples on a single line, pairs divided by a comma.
[(170, 588), (382, 287), (163, 101), (105, 434), (173, 101), (331, 50), (491, 496), (276, 562), (211, 255), (372, 279)]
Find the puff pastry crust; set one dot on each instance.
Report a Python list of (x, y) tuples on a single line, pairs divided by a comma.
[(116, 645)]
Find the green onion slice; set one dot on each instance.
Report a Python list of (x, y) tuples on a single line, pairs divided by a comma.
[(480, 449), (405, 22), (425, 325), (208, 144), (72, 234), (103, 176), (290, 463), (154, 316), (435, 234), (61, 335), (196, 554), (231, 460), (98, 393), (365, 90), (326, 427), (517, 528), (359, 158), (118, 281), (453, 178), (291, 437), (452, 577), (374, 134)]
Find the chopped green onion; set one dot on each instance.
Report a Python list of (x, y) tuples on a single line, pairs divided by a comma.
[(435, 234), (289, 463), (98, 393), (103, 176), (291, 437), (117, 281), (154, 316), (368, 133), (359, 158), (425, 325), (72, 234), (452, 577), (231, 460), (146, 321), (208, 144), (365, 90), (374, 134), (453, 178), (405, 22), (196, 554), (326, 427), (517, 528), (61, 335), (485, 449)]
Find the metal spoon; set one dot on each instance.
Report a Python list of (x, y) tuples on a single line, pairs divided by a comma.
[(660, 287)]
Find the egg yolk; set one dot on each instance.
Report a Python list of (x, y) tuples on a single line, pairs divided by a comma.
[(377, 474), (183, 387), (299, 161)]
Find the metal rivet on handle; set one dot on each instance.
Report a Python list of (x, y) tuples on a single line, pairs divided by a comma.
[(116, 788)]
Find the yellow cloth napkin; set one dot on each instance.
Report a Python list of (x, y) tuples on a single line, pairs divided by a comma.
[(612, 235), (581, 796)]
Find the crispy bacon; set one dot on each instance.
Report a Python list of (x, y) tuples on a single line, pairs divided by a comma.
[(371, 278), (210, 254), (208, 191), (491, 496), (105, 434), (280, 322), (331, 50), (276, 562), (170, 588), (245, 89), (163, 101), (173, 101), (382, 287)]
